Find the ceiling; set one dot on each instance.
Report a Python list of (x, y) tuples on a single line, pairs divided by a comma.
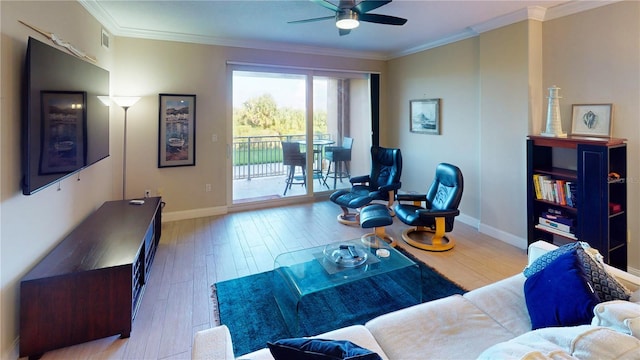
[(263, 24)]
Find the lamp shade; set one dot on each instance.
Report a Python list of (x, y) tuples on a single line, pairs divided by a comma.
[(125, 101), (106, 100)]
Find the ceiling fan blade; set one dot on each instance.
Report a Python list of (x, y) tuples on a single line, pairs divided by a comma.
[(327, 4), (344, 32), (368, 5), (311, 20), (382, 19)]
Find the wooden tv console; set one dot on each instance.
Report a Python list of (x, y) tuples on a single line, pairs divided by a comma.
[(91, 284)]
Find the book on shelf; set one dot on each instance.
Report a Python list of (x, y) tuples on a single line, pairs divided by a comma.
[(536, 186), (555, 224), (571, 193), (558, 217), (556, 231), (559, 191)]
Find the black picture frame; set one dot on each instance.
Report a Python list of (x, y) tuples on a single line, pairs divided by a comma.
[(177, 130)]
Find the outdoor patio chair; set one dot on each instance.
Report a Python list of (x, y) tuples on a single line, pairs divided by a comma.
[(293, 158)]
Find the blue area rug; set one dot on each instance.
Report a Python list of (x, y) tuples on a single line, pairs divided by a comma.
[(247, 306)]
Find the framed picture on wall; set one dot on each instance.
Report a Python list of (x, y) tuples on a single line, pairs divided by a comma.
[(176, 138), (424, 116), (591, 120)]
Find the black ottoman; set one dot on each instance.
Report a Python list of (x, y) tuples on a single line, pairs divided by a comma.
[(376, 216)]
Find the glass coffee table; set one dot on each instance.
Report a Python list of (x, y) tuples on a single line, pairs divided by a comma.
[(339, 265)]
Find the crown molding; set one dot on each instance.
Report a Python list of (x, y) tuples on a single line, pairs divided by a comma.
[(531, 13), (468, 33), (114, 28), (574, 7)]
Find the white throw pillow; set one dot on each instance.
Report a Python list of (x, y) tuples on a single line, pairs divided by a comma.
[(621, 316)]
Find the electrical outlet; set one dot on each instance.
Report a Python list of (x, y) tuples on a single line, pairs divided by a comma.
[(147, 193), (207, 187)]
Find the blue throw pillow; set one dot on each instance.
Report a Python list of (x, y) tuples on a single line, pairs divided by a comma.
[(548, 257), (319, 349), (560, 294), (606, 286)]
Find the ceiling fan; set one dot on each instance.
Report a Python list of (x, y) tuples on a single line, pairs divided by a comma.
[(348, 14)]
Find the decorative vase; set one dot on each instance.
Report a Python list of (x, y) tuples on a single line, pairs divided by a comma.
[(554, 124)]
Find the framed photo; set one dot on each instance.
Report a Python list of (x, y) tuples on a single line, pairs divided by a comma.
[(177, 135), (591, 119), (63, 138), (425, 116)]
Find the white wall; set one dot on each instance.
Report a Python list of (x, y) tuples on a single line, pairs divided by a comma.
[(504, 115), (449, 73), (32, 225)]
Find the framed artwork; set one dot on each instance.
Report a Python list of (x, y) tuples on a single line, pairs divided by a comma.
[(591, 120), (177, 135), (63, 138), (425, 116)]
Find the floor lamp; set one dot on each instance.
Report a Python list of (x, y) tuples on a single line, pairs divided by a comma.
[(125, 102)]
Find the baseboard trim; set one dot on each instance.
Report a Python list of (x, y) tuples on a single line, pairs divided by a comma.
[(504, 236), (193, 214), (466, 219)]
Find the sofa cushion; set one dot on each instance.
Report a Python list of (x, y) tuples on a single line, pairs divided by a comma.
[(511, 310), (447, 328), (583, 342), (319, 349), (214, 343), (560, 294)]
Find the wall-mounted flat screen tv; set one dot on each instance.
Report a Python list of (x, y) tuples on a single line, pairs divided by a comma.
[(65, 127)]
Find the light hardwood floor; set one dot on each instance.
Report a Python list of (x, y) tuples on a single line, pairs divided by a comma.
[(194, 254)]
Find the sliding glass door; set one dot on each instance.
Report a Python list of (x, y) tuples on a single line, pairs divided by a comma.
[(273, 109)]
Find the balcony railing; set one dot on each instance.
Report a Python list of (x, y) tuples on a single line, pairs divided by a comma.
[(261, 156)]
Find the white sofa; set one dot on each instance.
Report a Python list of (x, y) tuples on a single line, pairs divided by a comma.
[(491, 322)]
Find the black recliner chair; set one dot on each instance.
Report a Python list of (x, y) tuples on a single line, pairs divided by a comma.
[(381, 184), (433, 214)]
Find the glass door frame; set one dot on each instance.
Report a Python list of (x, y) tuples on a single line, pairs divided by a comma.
[(309, 75)]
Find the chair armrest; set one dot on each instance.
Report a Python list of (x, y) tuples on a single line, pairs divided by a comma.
[(214, 343), (411, 197), (429, 213), (390, 187), (360, 179)]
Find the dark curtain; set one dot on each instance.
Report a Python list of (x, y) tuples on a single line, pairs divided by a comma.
[(375, 109)]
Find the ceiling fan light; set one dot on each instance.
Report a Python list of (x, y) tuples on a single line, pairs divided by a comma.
[(347, 20)]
